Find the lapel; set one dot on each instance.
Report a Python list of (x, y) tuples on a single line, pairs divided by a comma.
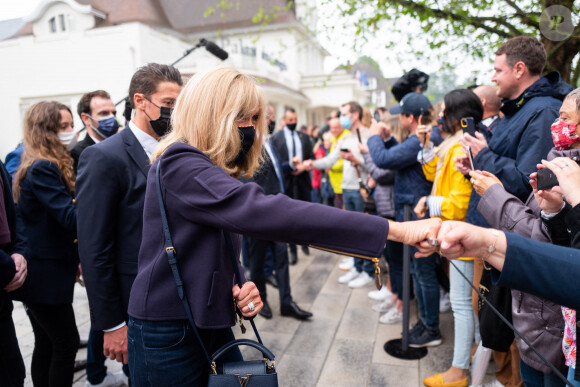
[(135, 150)]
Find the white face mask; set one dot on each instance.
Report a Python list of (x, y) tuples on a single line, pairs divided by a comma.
[(69, 139)]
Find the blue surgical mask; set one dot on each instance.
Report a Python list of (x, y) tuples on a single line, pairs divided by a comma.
[(107, 126), (442, 125), (345, 122)]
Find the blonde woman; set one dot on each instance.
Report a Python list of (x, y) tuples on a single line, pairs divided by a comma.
[(218, 125), (43, 189)]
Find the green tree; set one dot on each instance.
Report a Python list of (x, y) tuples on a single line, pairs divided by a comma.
[(473, 28)]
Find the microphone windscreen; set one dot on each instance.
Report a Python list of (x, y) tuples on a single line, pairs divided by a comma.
[(215, 50)]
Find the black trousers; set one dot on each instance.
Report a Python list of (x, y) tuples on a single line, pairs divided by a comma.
[(12, 372), (257, 253), (56, 341)]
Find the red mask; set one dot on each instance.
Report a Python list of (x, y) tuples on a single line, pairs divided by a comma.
[(564, 135)]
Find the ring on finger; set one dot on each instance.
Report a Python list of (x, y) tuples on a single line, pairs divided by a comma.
[(564, 166), (251, 306)]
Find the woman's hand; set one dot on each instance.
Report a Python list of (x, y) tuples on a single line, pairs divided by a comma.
[(421, 208), (248, 293), (568, 174), (549, 200), (482, 180), (460, 239), (420, 233)]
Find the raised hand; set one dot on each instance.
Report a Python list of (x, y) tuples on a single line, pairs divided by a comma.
[(462, 165), (568, 174), (482, 180), (476, 143), (248, 299), (549, 200)]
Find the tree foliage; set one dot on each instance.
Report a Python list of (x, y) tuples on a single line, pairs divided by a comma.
[(458, 27)]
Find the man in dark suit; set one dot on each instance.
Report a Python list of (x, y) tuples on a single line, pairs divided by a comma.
[(13, 270), (110, 193), (97, 112), (270, 178), (293, 147)]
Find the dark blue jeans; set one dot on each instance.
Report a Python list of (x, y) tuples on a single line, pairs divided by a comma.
[(534, 378), (426, 288), (167, 353)]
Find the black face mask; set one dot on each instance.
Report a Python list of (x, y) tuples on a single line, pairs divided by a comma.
[(247, 136), (291, 126), (162, 125), (271, 127)]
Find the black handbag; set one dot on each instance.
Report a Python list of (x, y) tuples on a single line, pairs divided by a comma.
[(495, 334), (258, 373)]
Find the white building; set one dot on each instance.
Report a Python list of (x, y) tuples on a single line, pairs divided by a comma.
[(68, 47)]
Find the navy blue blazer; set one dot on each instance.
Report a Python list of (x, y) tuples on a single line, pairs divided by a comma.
[(201, 200), (47, 209), (542, 269), (299, 186), (110, 193)]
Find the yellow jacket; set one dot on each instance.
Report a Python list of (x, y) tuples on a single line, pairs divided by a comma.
[(335, 172), (451, 185)]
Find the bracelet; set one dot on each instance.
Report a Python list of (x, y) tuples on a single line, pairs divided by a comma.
[(491, 248)]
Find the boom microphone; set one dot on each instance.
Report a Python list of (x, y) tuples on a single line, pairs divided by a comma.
[(214, 49)]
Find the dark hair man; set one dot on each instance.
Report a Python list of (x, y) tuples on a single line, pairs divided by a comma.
[(521, 139), (97, 112), (293, 147), (112, 176)]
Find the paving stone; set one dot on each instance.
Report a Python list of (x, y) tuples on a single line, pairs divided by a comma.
[(313, 338), (393, 376), (330, 306), (348, 362), (358, 323), (298, 370)]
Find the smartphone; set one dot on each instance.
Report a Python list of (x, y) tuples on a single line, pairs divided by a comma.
[(344, 150), (377, 116), (546, 179), (358, 135), (470, 155), (468, 125)]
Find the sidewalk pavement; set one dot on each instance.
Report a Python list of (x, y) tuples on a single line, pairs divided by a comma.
[(342, 345)]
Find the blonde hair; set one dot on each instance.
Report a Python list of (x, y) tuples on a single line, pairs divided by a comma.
[(396, 130), (206, 115), (366, 118), (41, 126)]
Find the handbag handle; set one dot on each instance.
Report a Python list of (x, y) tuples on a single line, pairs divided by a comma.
[(226, 347)]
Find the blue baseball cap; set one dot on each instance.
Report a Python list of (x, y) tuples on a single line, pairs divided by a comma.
[(413, 103)]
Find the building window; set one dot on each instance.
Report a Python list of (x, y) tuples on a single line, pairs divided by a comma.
[(62, 22), (52, 25)]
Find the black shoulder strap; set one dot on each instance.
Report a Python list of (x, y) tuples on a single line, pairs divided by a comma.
[(172, 258)]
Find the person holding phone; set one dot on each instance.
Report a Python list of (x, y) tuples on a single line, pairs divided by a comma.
[(347, 149), (505, 211), (449, 200)]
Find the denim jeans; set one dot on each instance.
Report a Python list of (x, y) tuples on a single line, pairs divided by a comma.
[(534, 378), (426, 288), (571, 373), (167, 353), (465, 322)]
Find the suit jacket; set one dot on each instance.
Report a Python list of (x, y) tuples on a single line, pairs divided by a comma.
[(48, 212), (17, 244), (79, 148), (267, 178), (201, 201), (297, 187), (110, 194)]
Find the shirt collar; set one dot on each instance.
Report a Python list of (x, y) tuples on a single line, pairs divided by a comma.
[(147, 142)]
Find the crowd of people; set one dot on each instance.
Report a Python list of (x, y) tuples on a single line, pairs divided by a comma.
[(445, 179)]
